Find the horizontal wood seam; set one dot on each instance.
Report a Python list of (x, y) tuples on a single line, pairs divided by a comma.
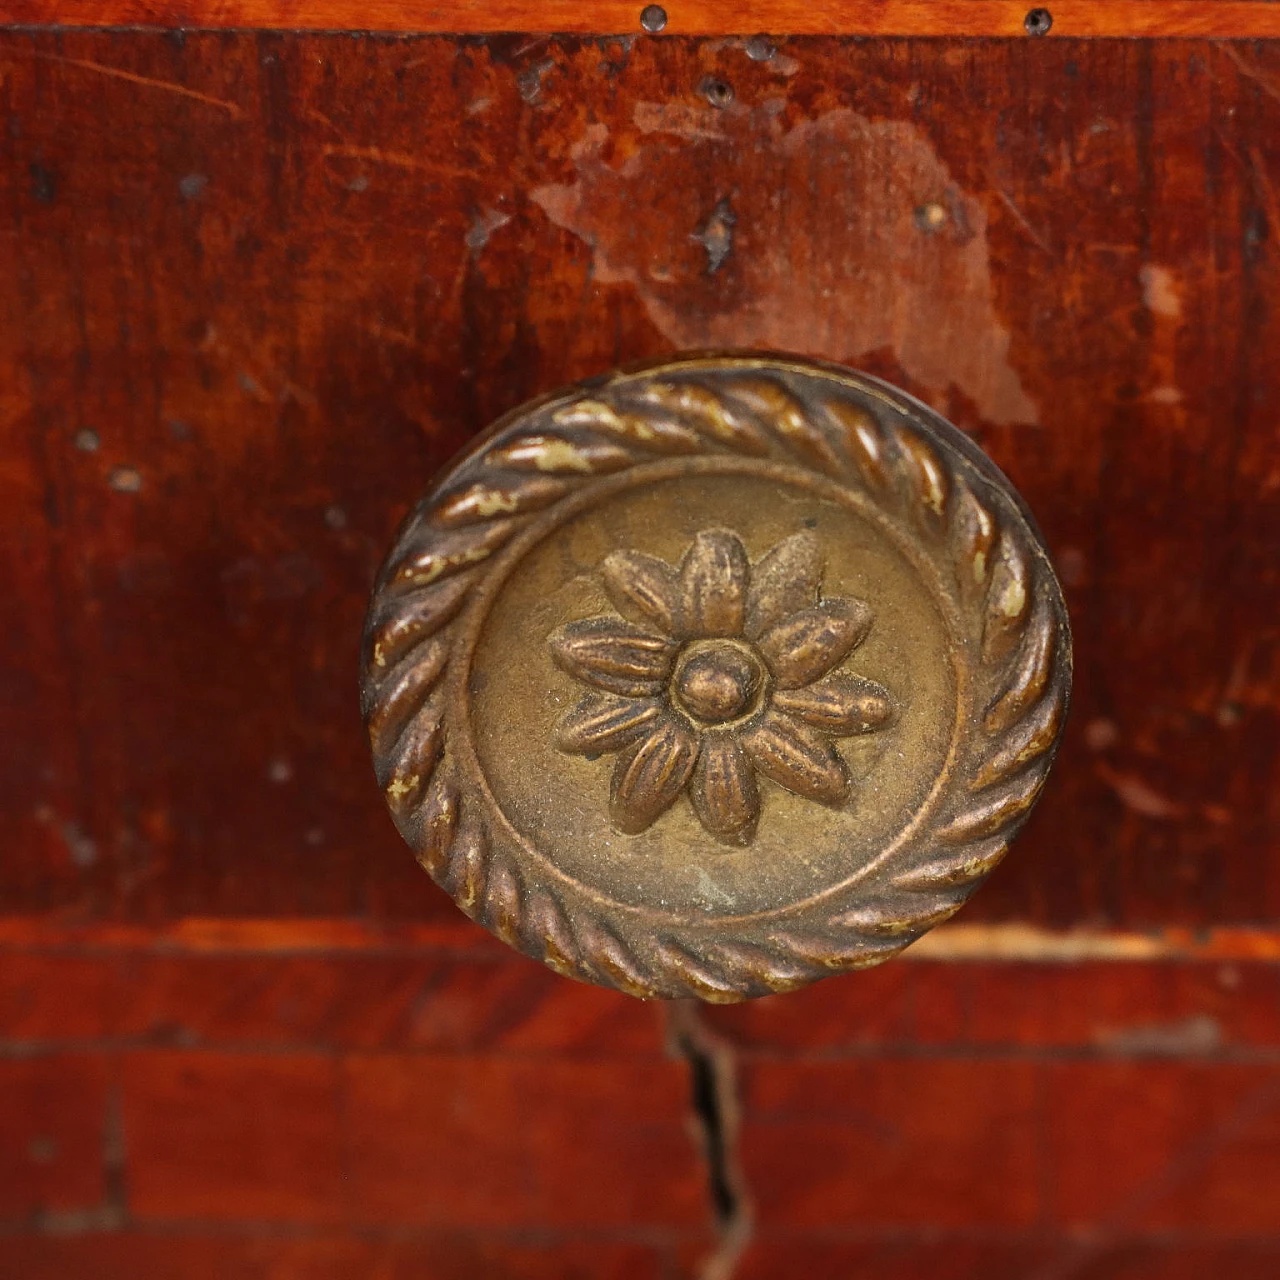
[(1010, 942), (1215, 19)]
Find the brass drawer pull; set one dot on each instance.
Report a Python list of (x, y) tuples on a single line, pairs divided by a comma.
[(717, 676)]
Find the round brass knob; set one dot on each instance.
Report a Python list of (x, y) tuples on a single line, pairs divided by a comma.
[(716, 676)]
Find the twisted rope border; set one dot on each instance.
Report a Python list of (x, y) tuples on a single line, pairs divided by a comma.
[(841, 426)]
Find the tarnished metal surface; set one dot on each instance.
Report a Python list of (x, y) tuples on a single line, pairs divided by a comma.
[(713, 677)]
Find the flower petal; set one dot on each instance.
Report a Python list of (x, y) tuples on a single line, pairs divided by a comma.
[(651, 774), (810, 643), (604, 722), (713, 581), (785, 580), (614, 656), (724, 791), (644, 589), (799, 759), (840, 705)]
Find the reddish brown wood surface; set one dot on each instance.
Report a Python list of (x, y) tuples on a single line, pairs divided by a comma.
[(1222, 19), (422, 1113), (262, 286), (258, 287)]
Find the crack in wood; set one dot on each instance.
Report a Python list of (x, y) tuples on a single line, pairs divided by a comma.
[(715, 1108)]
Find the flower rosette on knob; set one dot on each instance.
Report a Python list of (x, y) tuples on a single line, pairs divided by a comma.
[(714, 672)]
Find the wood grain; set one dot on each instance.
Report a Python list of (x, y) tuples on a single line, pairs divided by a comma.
[(215, 1254), (454, 937), (412, 1115), (263, 285), (1221, 19), (259, 287)]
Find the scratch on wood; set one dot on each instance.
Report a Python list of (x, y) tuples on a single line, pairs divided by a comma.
[(1139, 796), (1268, 191), (678, 118), (310, 113), (483, 225), (285, 387), (396, 158), (388, 333), (1021, 219), (118, 73), (1249, 71)]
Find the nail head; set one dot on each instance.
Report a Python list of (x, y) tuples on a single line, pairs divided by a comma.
[(653, 18)]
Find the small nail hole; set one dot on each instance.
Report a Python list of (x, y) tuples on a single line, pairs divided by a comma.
[(717, 92), (1038, 22), (653, 18)]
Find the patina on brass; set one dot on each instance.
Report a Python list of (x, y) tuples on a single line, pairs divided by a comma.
[(717, 676)]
